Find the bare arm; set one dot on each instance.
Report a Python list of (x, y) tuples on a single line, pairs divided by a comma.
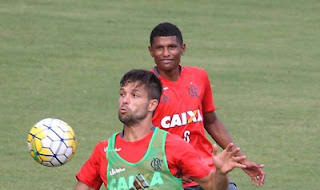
[(82, 186), (224, 162), (218, 131)]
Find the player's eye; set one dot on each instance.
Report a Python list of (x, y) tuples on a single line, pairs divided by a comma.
[(135, 95), (172, 47)]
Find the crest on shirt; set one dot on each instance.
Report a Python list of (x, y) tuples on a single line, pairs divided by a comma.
[(193, 91), (156, 164)]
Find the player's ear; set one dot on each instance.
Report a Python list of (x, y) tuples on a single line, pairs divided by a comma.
[(153, 103), (150, 50), (183, 48)]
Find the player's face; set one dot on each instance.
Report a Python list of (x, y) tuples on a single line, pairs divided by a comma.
[(166, 51), (133, 103)]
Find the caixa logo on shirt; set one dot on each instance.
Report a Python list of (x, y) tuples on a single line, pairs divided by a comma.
[(181, 119)]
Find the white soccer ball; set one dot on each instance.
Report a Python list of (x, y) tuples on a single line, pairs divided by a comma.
[(51, 142)]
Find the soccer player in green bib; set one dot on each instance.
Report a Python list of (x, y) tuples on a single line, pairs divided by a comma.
[(142, 156)]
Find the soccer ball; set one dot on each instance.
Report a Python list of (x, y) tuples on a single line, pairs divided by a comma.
[(51, 142)]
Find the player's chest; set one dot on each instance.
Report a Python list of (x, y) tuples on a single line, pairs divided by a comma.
[(182, 93)]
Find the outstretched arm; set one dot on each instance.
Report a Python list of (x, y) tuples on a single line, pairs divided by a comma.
[(225, 161), (220, 134)]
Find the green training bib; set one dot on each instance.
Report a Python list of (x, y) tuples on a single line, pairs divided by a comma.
[(150, 173)]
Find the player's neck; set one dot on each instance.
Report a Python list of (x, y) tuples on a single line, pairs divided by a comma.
[(172, 75), (137, 131)]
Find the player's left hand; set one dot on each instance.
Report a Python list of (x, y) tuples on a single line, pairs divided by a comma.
[(255, 172)]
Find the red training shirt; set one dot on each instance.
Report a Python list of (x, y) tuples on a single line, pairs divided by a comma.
[(182, 105), (185, 160)]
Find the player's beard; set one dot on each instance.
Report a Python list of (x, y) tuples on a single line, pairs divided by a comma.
[(132, 118)]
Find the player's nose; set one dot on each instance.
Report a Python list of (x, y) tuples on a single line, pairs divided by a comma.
[(125, 99), (165, 52)]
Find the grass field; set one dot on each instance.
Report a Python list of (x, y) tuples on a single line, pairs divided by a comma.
[(64, 59)]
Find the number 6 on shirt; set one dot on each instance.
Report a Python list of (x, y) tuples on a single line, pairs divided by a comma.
[(187, 136)]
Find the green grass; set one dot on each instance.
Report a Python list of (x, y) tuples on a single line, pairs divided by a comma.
[(64, 59)]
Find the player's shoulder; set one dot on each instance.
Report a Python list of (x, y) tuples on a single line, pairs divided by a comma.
[(194, 70), (178, 148), (102, 143), (101, 146), (171, 136), (175, 140)]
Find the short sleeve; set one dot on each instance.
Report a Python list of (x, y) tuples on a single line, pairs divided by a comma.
[(90, 170), (183, 160)]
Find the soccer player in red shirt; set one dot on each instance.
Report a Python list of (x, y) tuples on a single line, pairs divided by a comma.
[(142, 156), (186, 107)]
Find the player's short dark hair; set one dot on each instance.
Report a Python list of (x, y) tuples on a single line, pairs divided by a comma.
[(166, 29), (151, 82)]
